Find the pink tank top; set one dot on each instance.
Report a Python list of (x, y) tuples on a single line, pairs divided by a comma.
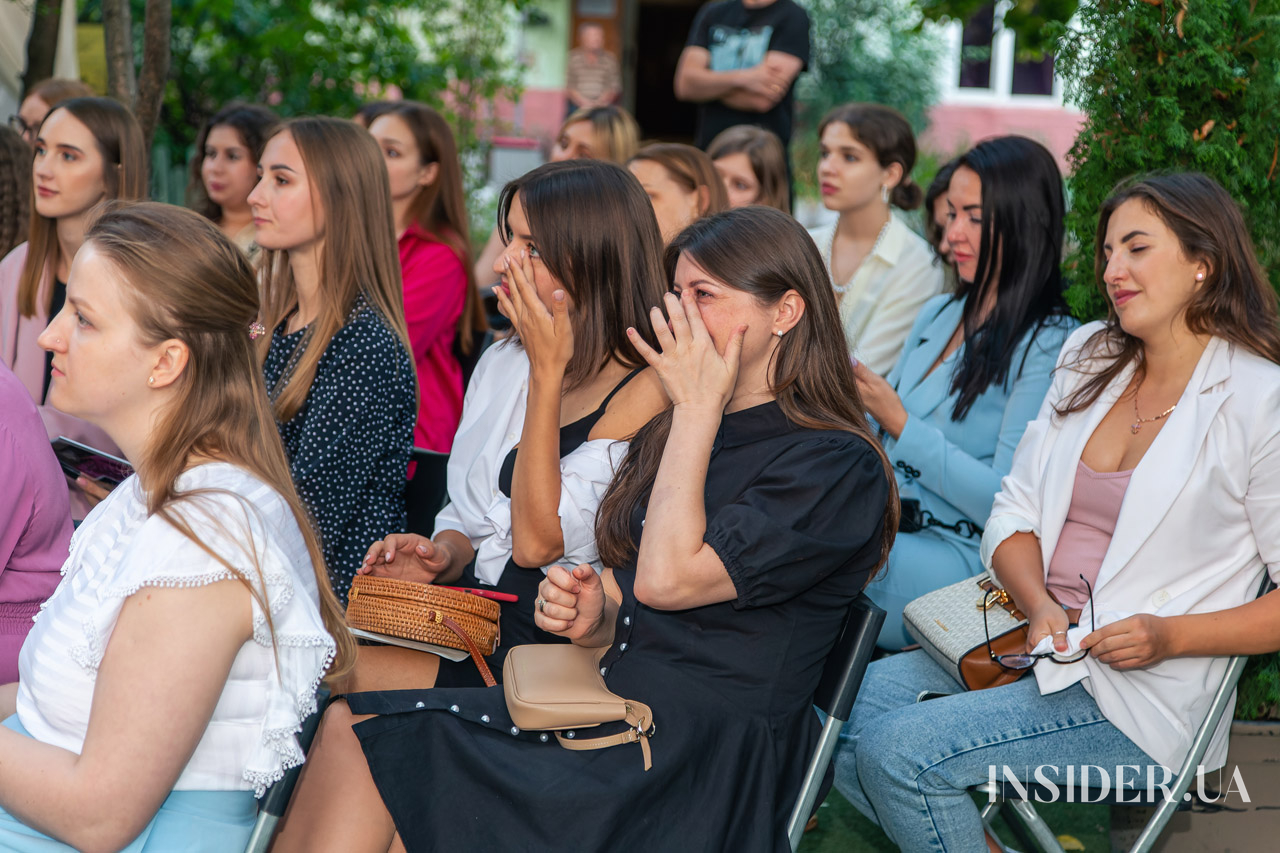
[(1086, 535)]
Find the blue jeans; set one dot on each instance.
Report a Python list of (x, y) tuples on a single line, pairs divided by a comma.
[(908, 765)]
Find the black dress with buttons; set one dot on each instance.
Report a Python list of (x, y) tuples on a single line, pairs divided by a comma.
[(795, 516), (349, 444)]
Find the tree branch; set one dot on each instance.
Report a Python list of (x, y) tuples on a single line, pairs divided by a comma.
[(42, 46), (155, 66), (117, 30)]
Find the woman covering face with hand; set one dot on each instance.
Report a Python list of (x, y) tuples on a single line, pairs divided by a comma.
[(741, 524)]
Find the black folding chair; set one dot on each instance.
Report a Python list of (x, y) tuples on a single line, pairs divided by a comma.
[(427, 490), (276, 800), (841, 678), (1029, 823)]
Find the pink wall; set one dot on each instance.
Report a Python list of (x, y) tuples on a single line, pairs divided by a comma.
[(543, 112), (954, 127)]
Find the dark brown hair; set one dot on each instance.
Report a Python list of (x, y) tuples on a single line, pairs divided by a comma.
[(767, 157), (888, 134), (595, 231), (253, 123), (358, 256), (15, 189), (937, 189), (810, 375), (369, 111), (124, 167), (1235, 302), (691, 169), (440, 209), (188, 282)]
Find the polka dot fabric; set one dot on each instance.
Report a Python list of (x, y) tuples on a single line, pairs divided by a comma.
[(349, 444)]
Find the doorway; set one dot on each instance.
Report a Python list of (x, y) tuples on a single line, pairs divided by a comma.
[(661, 29)]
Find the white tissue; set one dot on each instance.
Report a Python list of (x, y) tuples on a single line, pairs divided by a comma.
[(1078, 633)]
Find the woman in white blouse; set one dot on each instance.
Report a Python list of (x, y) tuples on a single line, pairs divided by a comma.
[(1146, 493), (882, 271), (545, 421), (163, 681)]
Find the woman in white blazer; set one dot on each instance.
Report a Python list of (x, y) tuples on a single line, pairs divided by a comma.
[(1154, 468)]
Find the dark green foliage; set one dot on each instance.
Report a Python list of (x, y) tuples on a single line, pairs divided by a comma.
[(1172, 86), (862, 50)]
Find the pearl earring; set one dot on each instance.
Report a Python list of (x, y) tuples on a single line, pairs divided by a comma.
[(778, 332), (151, 380), (1199, 276)]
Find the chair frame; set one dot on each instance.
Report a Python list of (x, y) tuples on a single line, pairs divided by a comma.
[(841, 678), (1031, 823), (272, 807)]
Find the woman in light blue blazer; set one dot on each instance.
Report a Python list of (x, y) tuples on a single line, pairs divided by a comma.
[(974, 370)]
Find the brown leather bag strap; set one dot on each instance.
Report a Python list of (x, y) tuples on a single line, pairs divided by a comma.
[(448, 622), (639, 717)]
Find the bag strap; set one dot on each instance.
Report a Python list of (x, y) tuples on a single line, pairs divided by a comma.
[(448, 622), (639, 717)]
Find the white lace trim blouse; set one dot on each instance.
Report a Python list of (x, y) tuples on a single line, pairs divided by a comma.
[(120, 549)]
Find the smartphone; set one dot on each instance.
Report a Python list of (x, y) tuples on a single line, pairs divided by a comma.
[(81, 460)]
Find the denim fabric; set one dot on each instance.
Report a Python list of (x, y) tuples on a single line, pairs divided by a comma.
[(908, 765), (918, 564)]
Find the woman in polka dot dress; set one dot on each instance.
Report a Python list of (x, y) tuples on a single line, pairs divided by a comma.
[(337, 359)]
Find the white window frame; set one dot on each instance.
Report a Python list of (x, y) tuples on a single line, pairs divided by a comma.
[(1002, 51)]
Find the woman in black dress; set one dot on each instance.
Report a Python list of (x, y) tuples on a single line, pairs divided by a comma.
[(765, 505)]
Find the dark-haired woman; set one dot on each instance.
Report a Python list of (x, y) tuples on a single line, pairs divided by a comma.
[(881, 270), (742, 523), (546, 420), (441, 305), (681, 183), (974, 370), (935, 215), (225, 169), (1145, 493)]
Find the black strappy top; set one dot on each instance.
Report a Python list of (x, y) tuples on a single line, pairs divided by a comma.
[(572, 436)]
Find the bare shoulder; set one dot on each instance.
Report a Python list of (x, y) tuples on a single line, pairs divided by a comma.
[(632, 407)]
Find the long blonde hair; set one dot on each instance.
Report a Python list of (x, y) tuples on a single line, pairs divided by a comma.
[(358, 254), (124, 173), (190, 283)]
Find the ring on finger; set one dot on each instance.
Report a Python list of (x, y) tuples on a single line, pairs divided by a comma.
[(541, 604)]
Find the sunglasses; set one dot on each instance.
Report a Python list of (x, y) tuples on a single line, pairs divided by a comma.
[(1025, 660)]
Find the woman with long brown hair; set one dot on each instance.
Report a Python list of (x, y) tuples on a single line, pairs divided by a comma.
[(681, 184), (86, 150), (1134, 529), (442, 307), (741, 524), (336, 349), (224, 169), (161, 687), (753, 165)]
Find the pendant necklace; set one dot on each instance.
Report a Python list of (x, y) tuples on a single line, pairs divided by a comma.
[(1137, 425)]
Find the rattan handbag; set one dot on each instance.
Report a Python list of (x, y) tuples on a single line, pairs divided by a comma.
[(427, 614)]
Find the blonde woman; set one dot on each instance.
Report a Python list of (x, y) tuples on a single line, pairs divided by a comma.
[(336, 350), (156, 695)]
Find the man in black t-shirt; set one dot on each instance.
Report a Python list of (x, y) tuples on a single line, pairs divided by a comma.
[(740, 65)]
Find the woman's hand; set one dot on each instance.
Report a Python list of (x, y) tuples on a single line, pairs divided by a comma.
[(880, 400), (547, 336), (693, 372), (1048, 620), (1137, 642), (94, 492), (406, 556), (573, 602)]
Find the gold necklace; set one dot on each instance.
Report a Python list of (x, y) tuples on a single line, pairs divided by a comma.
[(1137, 425)]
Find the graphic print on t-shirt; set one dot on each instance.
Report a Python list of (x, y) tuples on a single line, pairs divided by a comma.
[(733, 49)]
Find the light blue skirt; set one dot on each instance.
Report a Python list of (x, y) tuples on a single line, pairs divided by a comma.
[(188, 822)]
